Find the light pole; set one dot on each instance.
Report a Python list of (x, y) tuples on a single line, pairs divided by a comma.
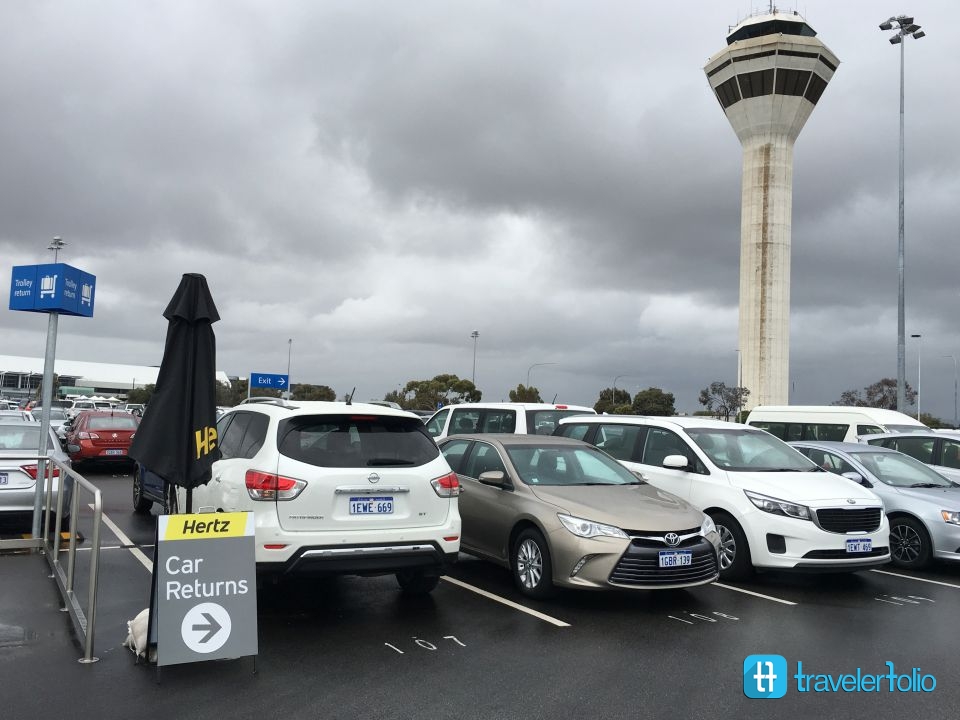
[(536, 365), (919, 347), (956, 420), (289, 354), (739, 384), (905, 27), (473, 377)]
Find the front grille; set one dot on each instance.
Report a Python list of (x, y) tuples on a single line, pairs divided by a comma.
[(842, 520), (648, 538), (639, 566), (844, 555)]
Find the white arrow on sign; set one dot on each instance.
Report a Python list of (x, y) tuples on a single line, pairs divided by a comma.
[(281, 382), (206, 627)]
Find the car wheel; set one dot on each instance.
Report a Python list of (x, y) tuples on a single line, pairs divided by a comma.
[(734, 558), (532, 569), (417, 582), (909, 543), (140, 503)]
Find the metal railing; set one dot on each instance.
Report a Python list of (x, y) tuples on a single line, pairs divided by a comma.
[(49, 543)]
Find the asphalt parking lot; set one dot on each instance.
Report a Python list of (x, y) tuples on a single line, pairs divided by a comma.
[(356, 648)]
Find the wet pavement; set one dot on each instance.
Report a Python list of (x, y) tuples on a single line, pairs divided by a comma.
[(356, 648)]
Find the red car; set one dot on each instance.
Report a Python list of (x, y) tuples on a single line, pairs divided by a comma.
[(103, 436)]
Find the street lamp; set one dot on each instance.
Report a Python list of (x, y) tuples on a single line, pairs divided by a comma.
[(905, 27), (473, 377), (56, 245), (956, 420), (536, 365), (919, 346)]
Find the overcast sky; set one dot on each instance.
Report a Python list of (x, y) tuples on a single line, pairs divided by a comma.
[(376, 180)]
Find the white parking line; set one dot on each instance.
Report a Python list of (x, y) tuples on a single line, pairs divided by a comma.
[(755, 594), (135, 551), (508, 603), (918, 579)]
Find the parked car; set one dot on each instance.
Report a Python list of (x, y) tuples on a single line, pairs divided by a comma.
[(520, 418), (58, 418), (337, 488), (22, 415), (940, 450), (829, 422), (102, 436), (558, 511), (773, 507), (133, 408), (923, 506), (19, 443), (78, 406)]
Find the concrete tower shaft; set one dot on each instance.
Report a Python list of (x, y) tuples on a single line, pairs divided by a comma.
[(768, 80)]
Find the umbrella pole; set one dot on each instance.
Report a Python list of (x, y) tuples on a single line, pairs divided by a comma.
[(189, 501)]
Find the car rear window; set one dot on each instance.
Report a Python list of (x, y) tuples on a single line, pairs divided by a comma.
[(544, 422), (356, 441), (115, 422), (19, 437)]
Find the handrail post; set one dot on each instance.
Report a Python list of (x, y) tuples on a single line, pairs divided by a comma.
[(94, 576)]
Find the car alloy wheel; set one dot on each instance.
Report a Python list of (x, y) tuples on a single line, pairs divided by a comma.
[(909, 544), (529, 564), (728, 547)]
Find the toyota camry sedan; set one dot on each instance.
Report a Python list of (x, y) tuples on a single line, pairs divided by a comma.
[(560, 512)]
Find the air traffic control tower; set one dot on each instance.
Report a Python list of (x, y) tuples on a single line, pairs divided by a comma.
[(768, 80)]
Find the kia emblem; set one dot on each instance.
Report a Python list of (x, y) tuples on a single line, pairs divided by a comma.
[(373, 477), (672, 539)]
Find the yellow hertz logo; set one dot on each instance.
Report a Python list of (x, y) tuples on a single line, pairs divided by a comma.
[(206, 440), (206, 525)]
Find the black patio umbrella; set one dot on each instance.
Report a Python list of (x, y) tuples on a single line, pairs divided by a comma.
[(177, 436)]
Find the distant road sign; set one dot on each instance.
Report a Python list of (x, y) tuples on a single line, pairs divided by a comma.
[(264, 380)]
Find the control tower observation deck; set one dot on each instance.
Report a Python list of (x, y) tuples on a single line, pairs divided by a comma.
[(768, 79)]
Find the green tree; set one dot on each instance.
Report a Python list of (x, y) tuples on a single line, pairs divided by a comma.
[(609, 401), (441, 390), (881, 394), (722, 401), (305, 392), (400, 398), (236, 392), (141, 395), (525, 394), (654, 401), (933, 422)]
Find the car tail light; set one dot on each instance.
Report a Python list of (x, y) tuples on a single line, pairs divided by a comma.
[(87, 436), (268, 486), (447, 486), (32, 470)]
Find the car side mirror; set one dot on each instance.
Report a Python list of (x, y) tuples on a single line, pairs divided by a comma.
[(496, 478), (676, 462), (858, 478), (638, 475)]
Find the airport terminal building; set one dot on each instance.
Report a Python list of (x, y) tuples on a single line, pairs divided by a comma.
[(20, 377)]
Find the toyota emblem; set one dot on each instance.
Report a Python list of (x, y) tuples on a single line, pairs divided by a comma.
[(672, 539), (373, 477)]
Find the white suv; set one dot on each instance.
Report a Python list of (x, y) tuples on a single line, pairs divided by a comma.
[(773, 507), (513, 418), (337, 488)]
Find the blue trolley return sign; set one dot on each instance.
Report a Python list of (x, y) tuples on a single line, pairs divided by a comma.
[(271, 382)]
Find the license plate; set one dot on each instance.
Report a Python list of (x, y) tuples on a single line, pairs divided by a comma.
[(4, 478), (371, 506), (675, 558), (859, 546), (115, 451)]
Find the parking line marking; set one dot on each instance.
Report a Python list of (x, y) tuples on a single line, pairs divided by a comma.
[(134, 550), (919, 579), (888, 601), (508, 603), (755, 594)]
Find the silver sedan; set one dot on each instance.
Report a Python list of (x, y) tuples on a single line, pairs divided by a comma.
[(923, 506), (19, 444)]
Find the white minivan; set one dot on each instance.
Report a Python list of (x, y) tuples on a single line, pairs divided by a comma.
[(773, 507), (837, 423), (502, 417)]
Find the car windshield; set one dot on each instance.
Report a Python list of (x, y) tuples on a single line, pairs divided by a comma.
[(356, 441), (20, 437), (908, 428), (899, 470), (742, 449), (559, 465)]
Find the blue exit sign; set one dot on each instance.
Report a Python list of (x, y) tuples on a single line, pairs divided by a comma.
[(52, 288), (266, 380)]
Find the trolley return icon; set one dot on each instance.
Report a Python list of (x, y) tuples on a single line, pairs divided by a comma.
[(204, 604)]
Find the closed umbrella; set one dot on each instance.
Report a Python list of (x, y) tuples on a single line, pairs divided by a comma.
[(177, 437)]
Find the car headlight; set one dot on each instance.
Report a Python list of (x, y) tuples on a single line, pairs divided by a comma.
[(708, 526), (951, 516), (588, 528), (779, 507)]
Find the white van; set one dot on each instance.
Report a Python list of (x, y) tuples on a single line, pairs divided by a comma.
[(840, 423), (502, 417)]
